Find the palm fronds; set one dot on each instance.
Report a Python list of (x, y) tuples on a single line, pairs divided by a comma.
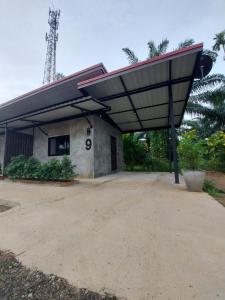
[(156, 51), (132, 58), (219, 41), (185, 43), (210, 81), (162, 47), (152, 49)]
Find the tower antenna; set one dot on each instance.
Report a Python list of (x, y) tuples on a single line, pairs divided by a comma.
[(51, 39)]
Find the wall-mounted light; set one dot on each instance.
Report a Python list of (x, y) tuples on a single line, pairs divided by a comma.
[(88, 131)]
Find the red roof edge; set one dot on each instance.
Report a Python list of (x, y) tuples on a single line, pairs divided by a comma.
[(49, 85), (197, 47)]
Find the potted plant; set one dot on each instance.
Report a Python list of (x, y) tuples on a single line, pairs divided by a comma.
[(191, 152)]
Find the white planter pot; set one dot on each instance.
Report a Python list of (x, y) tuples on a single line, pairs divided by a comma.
[(194, 180)]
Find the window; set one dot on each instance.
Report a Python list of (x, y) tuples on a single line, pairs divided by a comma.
[(59, 145)]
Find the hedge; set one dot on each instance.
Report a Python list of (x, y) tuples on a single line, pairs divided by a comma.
[(21, 167)]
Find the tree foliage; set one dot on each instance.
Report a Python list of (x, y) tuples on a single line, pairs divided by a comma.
[(219, 42)]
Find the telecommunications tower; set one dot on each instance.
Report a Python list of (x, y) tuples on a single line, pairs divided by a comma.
[(51, 39)]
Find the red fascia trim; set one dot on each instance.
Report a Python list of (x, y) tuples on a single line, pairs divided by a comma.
[(155, 59), (52, 84)]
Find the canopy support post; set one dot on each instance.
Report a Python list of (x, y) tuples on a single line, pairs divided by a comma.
[(173, 129), (169, 149), (5, 148)]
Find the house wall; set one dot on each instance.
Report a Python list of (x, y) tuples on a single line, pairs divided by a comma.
[(2, 147), (77, 129), (88, 163), (102, 147)]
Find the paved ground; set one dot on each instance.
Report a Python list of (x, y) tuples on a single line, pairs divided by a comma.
[(136, 235)]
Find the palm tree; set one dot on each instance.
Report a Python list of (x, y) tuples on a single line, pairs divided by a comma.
[(219, 42), (208, 106)]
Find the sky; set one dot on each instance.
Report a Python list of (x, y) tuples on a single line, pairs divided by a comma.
[(93, 31)]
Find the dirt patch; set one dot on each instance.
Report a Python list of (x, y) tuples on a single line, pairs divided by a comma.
[(18, 282), (52, 182), (217, 178)]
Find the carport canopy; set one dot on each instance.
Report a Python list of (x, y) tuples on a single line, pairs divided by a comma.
[(139, 94)]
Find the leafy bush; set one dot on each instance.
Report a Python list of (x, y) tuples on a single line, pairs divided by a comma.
[(134, 151), (50, 170), (155, 164), (31, 168), (16, 167), (67, 171), (215, 152), (191, 151)]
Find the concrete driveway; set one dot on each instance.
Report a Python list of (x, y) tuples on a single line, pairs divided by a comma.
[(136, 235)]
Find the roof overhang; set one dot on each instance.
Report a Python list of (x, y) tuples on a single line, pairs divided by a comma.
[(139, 94), (135, 98)]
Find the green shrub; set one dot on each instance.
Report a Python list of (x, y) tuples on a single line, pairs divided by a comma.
[(215, 152), (155, 164), (50, 170), (67, 171), (134, 152), (31, 168), (191, 151), (16, 167)]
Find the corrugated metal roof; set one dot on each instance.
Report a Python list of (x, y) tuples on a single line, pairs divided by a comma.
[(50, 94), (137, 95), (70, 109)]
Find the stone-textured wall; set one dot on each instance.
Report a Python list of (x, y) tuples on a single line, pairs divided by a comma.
[(102, 147), (77, 129), (2, 147)]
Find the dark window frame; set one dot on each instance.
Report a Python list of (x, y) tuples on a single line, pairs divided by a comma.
[(57, 153)]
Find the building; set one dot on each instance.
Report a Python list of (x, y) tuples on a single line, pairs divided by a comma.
[(84, 115)]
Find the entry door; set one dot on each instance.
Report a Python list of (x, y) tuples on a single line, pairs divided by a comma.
[(113, 154)]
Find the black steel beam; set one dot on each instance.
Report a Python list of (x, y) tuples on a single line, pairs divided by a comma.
[(130, 100), (89, 122), (42, 130), (107, 119), (5, 148), (191, 82), (62, 120), (152, 119), (147, 129), (77, 107), (144, 107), (173, 129), (146, 88), (31, 121)]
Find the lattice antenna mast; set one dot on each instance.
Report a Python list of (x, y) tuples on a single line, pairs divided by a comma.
[(51, 39)]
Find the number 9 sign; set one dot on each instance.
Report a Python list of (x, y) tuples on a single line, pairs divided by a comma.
[(88, 144)]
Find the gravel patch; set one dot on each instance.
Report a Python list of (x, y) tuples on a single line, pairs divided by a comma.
[(18, 282)]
